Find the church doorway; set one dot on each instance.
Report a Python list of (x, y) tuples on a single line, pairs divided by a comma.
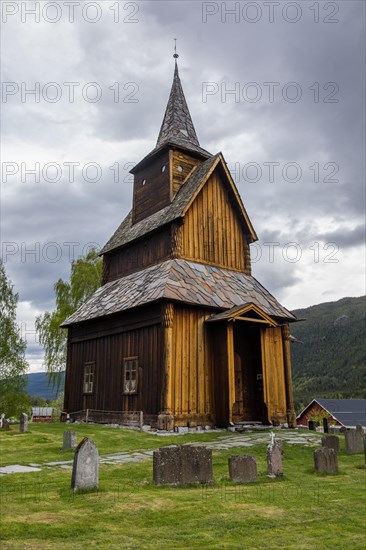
[(249, 396)]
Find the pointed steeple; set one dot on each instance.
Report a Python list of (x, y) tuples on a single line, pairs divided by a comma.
[(177, 123)]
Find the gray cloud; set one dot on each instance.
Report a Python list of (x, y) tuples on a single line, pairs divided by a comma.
[(108, 132)]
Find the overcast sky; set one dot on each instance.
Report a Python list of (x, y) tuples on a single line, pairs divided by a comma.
[(278, 87)]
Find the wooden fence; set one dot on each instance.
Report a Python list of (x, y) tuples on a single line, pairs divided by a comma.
[(125, 418)]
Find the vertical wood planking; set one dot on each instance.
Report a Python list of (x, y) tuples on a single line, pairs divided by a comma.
[(212, 231)]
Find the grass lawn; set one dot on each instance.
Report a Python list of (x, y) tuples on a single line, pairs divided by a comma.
[(303, 510)]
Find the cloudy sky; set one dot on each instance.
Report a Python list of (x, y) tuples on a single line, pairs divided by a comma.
[(278, 87)]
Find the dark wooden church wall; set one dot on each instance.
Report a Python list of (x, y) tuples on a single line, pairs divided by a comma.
[(148, 251), (108, 352), (155, 193)]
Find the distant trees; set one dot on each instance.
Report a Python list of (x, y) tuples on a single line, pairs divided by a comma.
[(85, 279), (13, 366), (333, 351)]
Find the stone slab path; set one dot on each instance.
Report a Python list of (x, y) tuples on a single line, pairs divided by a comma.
[(223, 442)]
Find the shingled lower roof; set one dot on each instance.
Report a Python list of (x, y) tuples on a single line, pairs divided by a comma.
[(128, 232), (182, 281)]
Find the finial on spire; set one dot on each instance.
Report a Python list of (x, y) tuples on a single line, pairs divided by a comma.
[(175, 49)]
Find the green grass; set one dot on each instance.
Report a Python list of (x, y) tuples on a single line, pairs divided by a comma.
[(43, 442), (303, 510)]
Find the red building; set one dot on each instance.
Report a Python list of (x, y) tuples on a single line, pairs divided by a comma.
[(342, 412), (42, 414)]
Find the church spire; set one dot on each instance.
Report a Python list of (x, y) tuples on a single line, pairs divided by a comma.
[(177, 123)]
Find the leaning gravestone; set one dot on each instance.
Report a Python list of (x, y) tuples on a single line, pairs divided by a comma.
[(69, 440), (182, 464), (243, 469), (331, 442), (326, 461), (85, 466), (354, 443), (23, 427), (6, 424), (274, 459)]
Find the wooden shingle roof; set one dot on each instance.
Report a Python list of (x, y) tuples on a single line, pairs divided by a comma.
[(182, 281), (177, 122)]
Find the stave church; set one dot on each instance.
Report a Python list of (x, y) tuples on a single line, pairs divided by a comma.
[(180, 332)]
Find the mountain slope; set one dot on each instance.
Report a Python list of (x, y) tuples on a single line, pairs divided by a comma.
[(331, 361), (38, 385)]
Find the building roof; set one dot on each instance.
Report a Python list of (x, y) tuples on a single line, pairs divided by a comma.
[(348, 412), (182, 281), (177, 128), (177, 122), (128, 232), (42, 411)]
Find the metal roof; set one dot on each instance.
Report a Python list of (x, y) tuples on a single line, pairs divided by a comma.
[(348, 412), (42, 411)]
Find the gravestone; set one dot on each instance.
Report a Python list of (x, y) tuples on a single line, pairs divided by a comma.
[(274, 459), (343, 430), (354, 443), (331, 442), (181, 464), (326, 461), (69, 440), (359, 429), (280, 444), (243, 469), (23, 427), (2, 419), (85, 466), (325, 425), (6, 424), (311, 425)]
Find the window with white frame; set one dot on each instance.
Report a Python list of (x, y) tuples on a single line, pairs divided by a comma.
[(89, 370), (130, 374)]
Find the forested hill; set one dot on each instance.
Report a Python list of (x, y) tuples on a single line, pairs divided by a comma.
[(331, 362), (38, 385)]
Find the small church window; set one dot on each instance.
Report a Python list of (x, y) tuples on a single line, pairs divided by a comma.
[(143, 182), (89, 377), (180, 169), (130, 375), (163, 168)]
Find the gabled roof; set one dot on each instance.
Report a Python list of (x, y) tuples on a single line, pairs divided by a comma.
[(348, 412), (128, 232), (182, 281), (247, 312)]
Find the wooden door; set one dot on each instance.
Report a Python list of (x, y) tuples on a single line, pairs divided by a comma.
[(273, 374), (238, 408)]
